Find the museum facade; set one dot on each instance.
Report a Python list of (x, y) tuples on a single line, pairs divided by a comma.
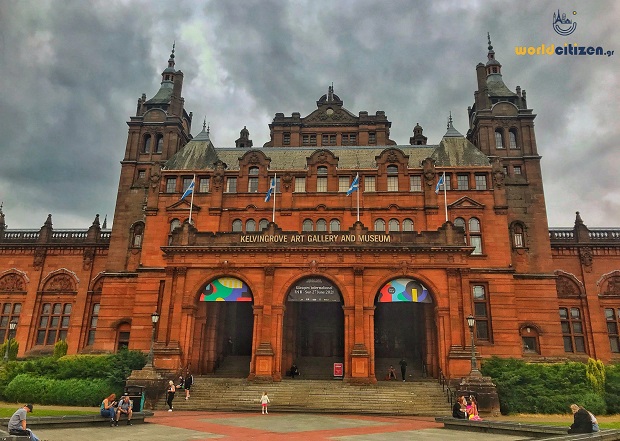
[(331, 243)]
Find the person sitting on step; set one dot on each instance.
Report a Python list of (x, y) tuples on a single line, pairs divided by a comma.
[(391, 375), (294, 371)]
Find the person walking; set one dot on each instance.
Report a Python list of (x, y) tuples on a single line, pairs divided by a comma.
[(17, 423), (170, 395), (264, 402), (403, 368), (189, 380)]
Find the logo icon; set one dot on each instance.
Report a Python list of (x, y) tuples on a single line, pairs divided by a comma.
[(562, 25)]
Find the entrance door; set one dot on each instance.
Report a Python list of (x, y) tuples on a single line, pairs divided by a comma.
[(228, 327), (313, 336), (401, 310)]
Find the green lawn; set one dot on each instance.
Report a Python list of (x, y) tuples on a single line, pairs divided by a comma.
[(6, 412)]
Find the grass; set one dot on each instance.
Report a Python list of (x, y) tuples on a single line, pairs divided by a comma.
[(7, 409), (604, 421)]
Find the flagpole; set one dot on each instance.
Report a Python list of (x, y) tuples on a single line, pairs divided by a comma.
[(445, 197), (275, 186), (191, 202), (358, 196)]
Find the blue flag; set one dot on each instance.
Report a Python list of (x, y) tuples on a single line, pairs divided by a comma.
[(354, 185), (272, 188), (440, 183), (190, 189)]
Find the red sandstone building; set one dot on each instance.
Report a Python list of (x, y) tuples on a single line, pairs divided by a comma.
[(319, 276)]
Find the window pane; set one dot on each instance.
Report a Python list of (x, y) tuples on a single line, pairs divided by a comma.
[(499, 144), (264, 223), (321, 170), (231, 185), (574, 313), (51, 337), (237, 225), (6, 309), (171, 184), (369, 183), (65, 322), (516, 169), (568, 344), (580, 344), (253, 171), (478, 292), (462, 182), (513, 140), (529, 344), (476, 241), (474, 225), (54, 322), (392, 183), (17, 308), (307, 225), (565, 328), (252, 185), (407, 225), (518, 237), (482, 330), (480, 309), (481, 182), (609, 314), (56, 309), (321, 185), (615, 344), (459, 222), (321, 225), (394, 225), (612, 328), (41, 337), (204, 185), (334, 225), (577, 328), (379, 225), (415, 183), (300, 185), (563, 313), (67, 309), (250, 226), (343, 184)]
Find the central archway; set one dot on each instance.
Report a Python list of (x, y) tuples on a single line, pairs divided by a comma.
[(313, 336), (402, 309), (228, 325)]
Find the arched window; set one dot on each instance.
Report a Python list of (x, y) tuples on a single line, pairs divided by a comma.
[(460, 222), (518, 236), (380, 225), (307, 225), (394, 225), (392, 170), (137, 235), (160, 144), (321, 170), (53, 323), (475, 235), (529, 339), (321, 225), (499, 139), (237, 226), (407, 225), (146, 147), (264, 223), (250, 225), (512, 139), (253, 180), (174, 224), (334, 225)]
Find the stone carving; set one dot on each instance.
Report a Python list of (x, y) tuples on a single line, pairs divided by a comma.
[(566, 287), (392, 157), (12, 282), (155, 176), (585, 256), (613, 286), (428, 166), (87, 260), (60, 282), (498, 173), (287, 181), (39, 257)]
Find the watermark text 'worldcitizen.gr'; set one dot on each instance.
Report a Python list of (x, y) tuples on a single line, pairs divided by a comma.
[(566, 49)]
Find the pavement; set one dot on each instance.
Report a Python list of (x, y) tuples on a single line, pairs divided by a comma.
[(199, 425)]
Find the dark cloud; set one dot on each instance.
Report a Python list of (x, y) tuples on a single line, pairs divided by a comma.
[(74, 70)]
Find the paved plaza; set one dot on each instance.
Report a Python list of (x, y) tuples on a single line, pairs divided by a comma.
[(182, 426)]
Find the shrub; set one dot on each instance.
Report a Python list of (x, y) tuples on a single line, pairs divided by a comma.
[(13, 348), (60, 348), (595, 373), (72, 392), (612, 389)]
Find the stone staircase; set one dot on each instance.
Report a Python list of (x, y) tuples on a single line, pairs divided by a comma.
[(422, 397)]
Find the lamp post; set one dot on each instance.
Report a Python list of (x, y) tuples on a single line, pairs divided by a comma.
[(154, 320), (471, 322), (12, 326)]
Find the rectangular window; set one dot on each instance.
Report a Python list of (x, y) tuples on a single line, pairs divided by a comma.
[(481, 313), (462, 182), (204, 186), (321, 184), (231, 185), (516, 169), (372, 138), (572, 330), (312, 139), (300, 184), (305, 139), (332, 139), (343, 184), (613, 320), (252, 185), (476, 242), (353, 139), (10, 313), (287, 138), (94, 317), (345, 139), (529, 344), (481, 182), (505, 168), (415, 183), (392, 183), (141, 174), (171, 185), (186, 183), (369, 184), (325, 140)]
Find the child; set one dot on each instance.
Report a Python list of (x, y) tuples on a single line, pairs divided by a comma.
[(264, 401)]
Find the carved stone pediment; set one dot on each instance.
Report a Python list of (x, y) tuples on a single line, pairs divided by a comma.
[(330, 115), (466, 202)]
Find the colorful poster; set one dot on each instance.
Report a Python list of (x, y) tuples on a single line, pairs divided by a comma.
[(404, 290), (226, 289)]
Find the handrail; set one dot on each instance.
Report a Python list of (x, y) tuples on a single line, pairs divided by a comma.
[(445, 387)]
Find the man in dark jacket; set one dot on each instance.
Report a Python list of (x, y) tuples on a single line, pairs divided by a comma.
[(582, 421)]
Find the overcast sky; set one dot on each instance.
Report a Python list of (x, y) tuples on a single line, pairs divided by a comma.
[(72, 72)]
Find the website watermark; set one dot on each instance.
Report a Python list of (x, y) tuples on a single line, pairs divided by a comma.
[(564, 26)]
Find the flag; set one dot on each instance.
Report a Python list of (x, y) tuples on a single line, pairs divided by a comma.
[(354, 185), (190, 189), (272, 188), (439, 183)]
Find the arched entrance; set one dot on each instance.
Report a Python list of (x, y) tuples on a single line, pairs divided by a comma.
[(313, 335), (226, 305), (403, 312)]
